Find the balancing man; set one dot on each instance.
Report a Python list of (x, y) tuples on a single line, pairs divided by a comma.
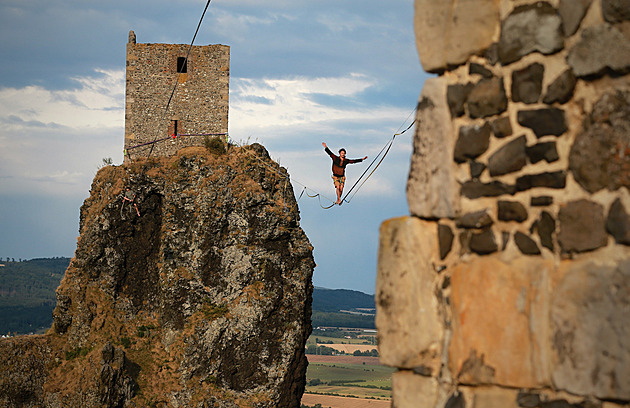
[(339, 164)]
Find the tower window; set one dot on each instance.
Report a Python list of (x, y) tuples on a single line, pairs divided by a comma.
[(172, 128), (182, 65)]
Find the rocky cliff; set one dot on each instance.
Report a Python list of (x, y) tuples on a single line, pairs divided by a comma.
[(204, 300), (508, 284)]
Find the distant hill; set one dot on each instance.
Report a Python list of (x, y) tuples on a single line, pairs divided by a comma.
[(27, 299), (343, 308), (27, 294), (334, 300)]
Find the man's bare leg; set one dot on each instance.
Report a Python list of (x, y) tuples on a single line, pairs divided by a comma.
[(339, 193)]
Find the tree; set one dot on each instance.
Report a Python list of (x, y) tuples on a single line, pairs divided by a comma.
[(370, 353)]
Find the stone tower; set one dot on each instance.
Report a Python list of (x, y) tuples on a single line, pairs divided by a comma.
[(508, 285), (198, 107)]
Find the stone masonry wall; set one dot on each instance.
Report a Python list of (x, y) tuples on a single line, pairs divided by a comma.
[(509, 283), (199, 105)]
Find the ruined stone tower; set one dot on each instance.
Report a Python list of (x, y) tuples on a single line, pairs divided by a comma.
[(199, 105)]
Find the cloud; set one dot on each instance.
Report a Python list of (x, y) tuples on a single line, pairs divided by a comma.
[(97, 102), (239, 25), (272, 107), (62, 177), (53, 139), (336, 23)]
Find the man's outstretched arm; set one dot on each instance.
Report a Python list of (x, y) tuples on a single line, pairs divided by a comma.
[(331, 154), (353, 161)]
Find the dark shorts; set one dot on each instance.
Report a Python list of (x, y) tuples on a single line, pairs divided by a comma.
[(339, 179)]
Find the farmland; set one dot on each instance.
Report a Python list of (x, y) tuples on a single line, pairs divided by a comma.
[(342, 359), (361, 377), (345, 372), (351, 348), (325, 340), (330, 401)]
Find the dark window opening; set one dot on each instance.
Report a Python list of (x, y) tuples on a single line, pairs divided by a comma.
[(182, 65), (172, 129)]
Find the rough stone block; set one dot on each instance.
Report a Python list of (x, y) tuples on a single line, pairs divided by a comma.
[(445, 239), (478, 69), (590, 326), (581, 226), (561, 89), (588, 57), (527, 83), (616, 11), (472, 142), (456, 400), (546, 227), (526, 399), (554, 179), (530, 28), (511, 211), (476, 189), (487, 98), (525, 244), (600, 155), (432, 188), (448, 32), (456, 96), (477, 219), (618, 223), (500, 322), (410, 390), (546, 121), (541, 201), (410, 330), (508, 158), (483, 242), (495, 397), (476, 169), (502, 127), (572, 13), (542, 151)]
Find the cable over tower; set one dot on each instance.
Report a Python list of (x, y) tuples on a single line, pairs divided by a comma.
[(185, 64), (176, 91)]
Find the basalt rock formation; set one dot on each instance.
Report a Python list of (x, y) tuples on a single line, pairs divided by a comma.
[(204, 300), (508, 284)]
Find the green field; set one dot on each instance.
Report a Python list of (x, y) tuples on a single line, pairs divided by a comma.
[(340, 340), (365, 381)]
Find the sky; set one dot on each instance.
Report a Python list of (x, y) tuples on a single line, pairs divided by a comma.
[(302, 72)]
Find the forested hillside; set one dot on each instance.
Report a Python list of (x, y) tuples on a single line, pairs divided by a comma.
[(342, 308), (27, 299), (27, 294), (334, 300)]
